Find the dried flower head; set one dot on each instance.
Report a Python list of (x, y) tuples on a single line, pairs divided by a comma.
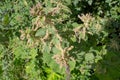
[(85, 18), (36, 10), (59, 60), (23, 35)]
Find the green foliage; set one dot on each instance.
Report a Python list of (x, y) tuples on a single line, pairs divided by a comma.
[(59, 39)]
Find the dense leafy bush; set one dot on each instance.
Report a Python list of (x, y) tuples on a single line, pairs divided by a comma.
[(59, 39)]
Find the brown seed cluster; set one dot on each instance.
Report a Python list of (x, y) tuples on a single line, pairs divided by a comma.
[(36, 10)]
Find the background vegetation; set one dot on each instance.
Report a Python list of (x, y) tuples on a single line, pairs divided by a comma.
[(59, 39)]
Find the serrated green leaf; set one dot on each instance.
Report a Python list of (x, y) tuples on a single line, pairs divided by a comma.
[(40, 32), (55, 50), (68, 2), (89, 57), (56, 40), (51, 30), (47, 58), (73, 39), (5, 20), (76, 2), (90, 2), (72, 64), (33, 53), (75, 24), (56, 67), (46, 49)]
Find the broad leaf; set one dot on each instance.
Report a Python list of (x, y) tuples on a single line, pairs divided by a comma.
[(40, 32)]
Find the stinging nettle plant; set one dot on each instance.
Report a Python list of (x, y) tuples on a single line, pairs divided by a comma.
[(51, 42), (45, 35)]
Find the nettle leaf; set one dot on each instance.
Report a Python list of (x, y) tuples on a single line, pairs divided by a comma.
[(1, 51), (30, 67), (75, 24), (19, 52), (51, 74), (5, 20), (46, 49), (33, 53), (83, 36), (73, 39), (56, 67), (98, 58), (89, 56), (41, 32), (55, 40), (108, 1), (48, 3), (55, 50), (72, 64), (103, 50), (90, 2), (51, 30), (47, 58), (76, 2), (69, 2)]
